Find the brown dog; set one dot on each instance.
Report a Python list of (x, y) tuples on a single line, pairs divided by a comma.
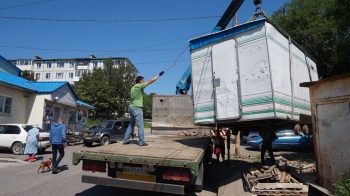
[(44, 164)]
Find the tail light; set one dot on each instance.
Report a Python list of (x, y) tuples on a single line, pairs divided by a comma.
[(94, 166), (167, 175), (183, 176)]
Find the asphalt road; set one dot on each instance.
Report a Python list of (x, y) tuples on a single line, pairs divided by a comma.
[(19, 177)]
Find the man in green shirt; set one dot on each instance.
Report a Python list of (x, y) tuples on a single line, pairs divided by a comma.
[(135, 108)]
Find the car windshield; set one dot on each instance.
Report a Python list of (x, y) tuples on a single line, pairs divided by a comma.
[(106, 124), (29, 127)]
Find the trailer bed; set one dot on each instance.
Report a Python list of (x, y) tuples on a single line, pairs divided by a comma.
[(161, 148)]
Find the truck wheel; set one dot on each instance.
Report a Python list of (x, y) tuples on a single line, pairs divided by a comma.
[(17, 148), (104, 141), (88, 144), (198, 185)]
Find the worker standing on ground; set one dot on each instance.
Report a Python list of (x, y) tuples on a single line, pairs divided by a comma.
[(135, 108), (268, 137), (218, 137)]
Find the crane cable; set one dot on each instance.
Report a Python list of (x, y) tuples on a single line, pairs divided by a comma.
[(176, 59)]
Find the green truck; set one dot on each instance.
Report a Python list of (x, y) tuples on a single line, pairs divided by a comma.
[(176, 158)]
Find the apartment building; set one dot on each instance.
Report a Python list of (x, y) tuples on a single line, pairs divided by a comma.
[(64, 69)]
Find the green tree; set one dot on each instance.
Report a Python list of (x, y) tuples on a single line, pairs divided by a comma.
[(93, 88), (28, 75), (321, 27), (107, 89), (121, 79), (147, 105), (341, 14)]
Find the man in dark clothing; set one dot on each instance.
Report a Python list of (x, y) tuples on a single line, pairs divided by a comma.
[(218, 136), (267, 145), (58, 142)]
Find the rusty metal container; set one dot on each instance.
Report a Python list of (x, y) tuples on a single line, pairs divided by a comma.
[(330, 108)]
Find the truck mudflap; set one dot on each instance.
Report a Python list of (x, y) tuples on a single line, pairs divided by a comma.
[(131, 184)]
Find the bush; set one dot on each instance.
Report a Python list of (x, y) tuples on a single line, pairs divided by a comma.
[(342, 186), (146, 124), (93, 122)]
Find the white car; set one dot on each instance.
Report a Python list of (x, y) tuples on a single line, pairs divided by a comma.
[(13, 136)]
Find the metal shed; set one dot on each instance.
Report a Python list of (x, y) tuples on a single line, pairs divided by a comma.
[(330, 108)]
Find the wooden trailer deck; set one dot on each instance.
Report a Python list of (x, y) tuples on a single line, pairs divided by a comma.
[(160, 147)]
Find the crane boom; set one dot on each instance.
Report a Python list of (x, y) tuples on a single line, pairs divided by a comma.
[(228, 15)]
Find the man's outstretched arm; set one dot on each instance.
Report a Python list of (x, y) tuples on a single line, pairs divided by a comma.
[(154, 78)]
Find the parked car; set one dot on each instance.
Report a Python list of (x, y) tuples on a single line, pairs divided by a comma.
[(106, 131), (13, 137), (287, 140), (250, 136)]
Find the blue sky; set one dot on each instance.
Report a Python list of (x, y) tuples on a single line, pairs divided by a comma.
[(152, 34)]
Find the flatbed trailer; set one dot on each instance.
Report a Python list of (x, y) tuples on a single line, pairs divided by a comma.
[(169, 164)]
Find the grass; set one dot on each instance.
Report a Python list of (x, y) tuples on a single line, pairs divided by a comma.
[(342, 185)]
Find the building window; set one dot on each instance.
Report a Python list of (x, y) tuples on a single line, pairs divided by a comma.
[(78, 73), (48, 65), (71, 64), (37, 76), (60, 64), (5, 104), (94, 64), (59, 75), (47, 75), (117, 62), (82, 63), (25, 62), (70, 75), (38, 65), (14, 62)]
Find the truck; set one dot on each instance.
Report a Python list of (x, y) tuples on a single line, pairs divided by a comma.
[(244, 77), (170, 163)]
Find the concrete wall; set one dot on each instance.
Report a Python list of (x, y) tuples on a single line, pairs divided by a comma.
[(19, 106)]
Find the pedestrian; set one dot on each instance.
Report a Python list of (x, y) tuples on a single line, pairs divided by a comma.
[(218, 137), (268, 137), (58, 142), (135, 108), (32, 141)]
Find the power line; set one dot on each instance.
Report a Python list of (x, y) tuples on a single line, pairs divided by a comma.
[(110, 21), (109, 52), (162, 62), (78, 50), (24, 5)]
